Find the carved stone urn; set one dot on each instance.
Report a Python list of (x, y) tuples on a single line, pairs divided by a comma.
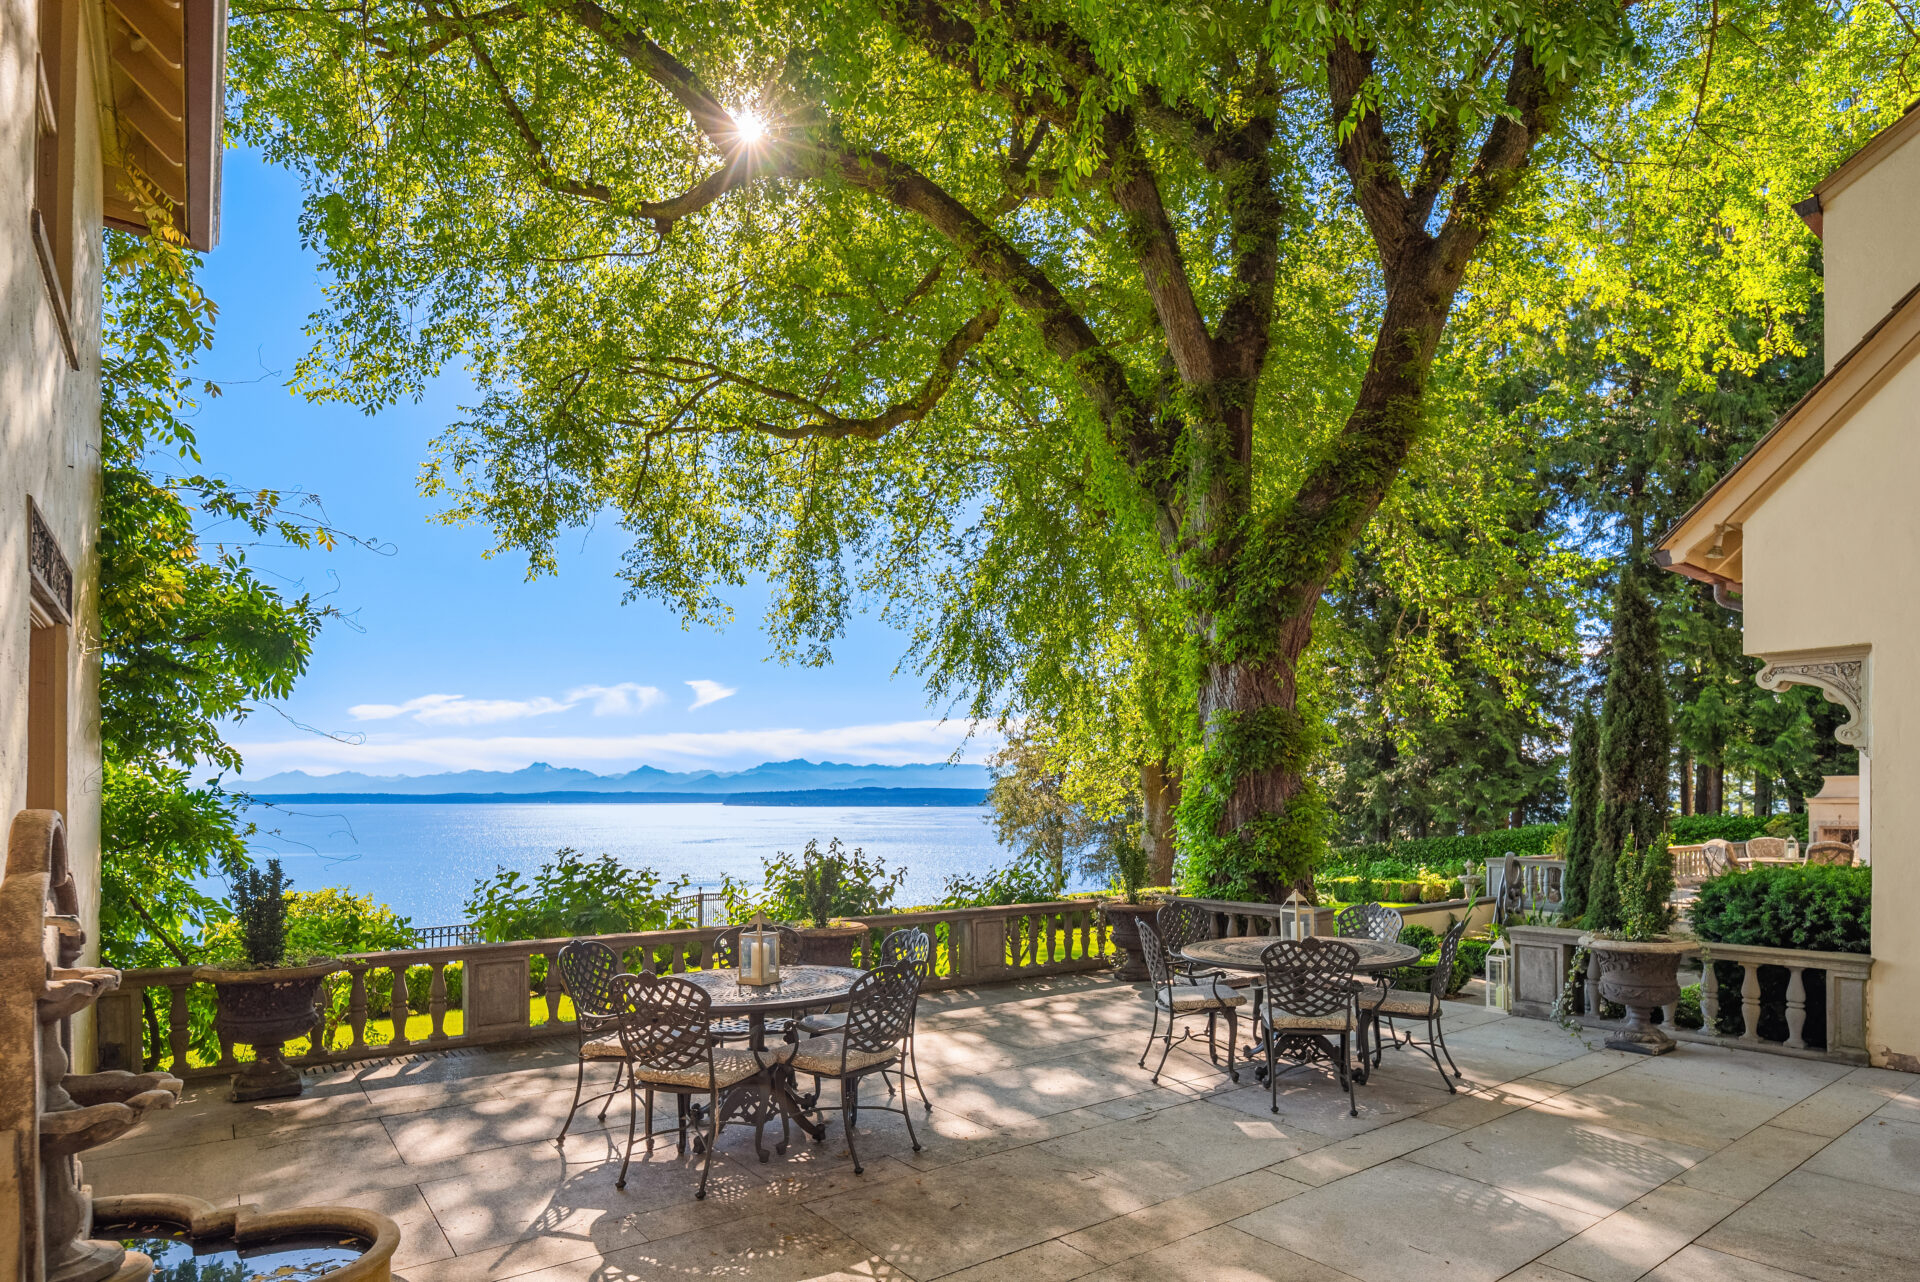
[(264, 1009), (1125, 918), (1643, 976)]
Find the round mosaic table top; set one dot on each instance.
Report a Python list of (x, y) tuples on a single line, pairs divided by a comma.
[(799, 986), (1243, 953)]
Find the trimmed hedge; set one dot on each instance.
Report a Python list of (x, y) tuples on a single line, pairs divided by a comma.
[(1777, 906), (1403, 859), (1692, 830)]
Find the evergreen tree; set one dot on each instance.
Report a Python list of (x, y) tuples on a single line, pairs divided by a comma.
[(1634, 745), (1583, 786)]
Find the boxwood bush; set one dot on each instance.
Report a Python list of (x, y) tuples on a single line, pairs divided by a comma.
[(1404, 859), (1777, 906)]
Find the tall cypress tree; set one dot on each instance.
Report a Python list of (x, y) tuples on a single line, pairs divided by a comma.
[(1634, 744), (1583, 813)]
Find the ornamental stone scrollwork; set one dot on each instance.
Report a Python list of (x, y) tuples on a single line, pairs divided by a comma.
[(52, 576), (1840, 676)]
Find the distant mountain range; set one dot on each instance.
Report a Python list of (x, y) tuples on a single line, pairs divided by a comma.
[(541, 778)]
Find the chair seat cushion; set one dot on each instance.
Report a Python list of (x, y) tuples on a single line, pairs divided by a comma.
[(607, 1047), (1287, 1022), (823, 1023), (1400, 1002), (821, 1056), (1183, 998), (729, 1068)]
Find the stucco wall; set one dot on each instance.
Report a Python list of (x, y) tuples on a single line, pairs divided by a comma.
[(1871, 234), (1829, 563), (50, 418)]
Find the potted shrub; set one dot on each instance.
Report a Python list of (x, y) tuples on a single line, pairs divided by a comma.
[(263, 999), (1123, 858), (1637, 963), (817, 892)]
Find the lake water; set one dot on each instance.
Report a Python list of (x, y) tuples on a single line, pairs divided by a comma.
[(423, 859)]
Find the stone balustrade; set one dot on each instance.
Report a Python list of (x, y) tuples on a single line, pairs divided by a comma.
[(152, 1019), (1233, 919)]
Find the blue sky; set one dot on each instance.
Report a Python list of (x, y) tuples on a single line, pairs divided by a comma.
[(454, 661)]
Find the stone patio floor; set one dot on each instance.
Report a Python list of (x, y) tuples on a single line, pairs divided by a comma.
[(1050, 1156)]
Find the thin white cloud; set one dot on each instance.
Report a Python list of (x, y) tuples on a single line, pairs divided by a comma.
[(627, 698), (895, 743), (705, 692)]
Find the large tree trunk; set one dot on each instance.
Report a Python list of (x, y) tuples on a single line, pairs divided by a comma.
[(1686, 782), (1159, 794)]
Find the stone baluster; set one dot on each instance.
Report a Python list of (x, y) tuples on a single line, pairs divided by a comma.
[(1750, 1002), (437, 1003), (1796, 1007), (177, 1034), (552, 990), (227, 1059), (357, 1008), (1709, 1000), (401, 1011)]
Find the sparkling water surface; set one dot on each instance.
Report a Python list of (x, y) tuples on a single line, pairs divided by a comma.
[(423, 858)]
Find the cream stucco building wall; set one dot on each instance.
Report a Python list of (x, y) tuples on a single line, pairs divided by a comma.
[(50, 434), (1870, 210), (1848, 520)]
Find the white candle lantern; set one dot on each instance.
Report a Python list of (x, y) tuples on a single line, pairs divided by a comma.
[(759, 953), (1301, 915), (1499, 980)]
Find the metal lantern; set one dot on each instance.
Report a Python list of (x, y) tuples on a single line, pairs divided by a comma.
[(759, 953), (1500, 975), (1302, 914)]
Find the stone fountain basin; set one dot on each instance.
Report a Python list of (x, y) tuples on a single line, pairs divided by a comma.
[(249, 1226)]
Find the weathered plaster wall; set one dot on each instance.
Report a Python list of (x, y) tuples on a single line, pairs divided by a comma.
[(50, 442), (1829, 563), (1871, 233)]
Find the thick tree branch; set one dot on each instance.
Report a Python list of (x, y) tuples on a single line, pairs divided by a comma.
[(1365, 150), (1151, 236)]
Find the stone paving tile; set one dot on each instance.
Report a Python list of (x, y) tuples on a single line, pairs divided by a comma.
[(1177, 1150), (1633, 1099), (1751, 1164), (1638, 1237), (1401, 1221), (1879, 1151), (790, 1245), (1590, 1168), (1828, 1229), (1347, 1157), (1698, 1264), (1052, 1261), (1222, 1254), (1833, 1109), (1537, 1272), (1585, 1068), (1310, 1098), (1155, 1226)]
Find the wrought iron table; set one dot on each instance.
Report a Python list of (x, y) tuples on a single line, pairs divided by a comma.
[(1243, 954), (800, 988)]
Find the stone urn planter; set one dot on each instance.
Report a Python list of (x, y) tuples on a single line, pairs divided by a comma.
[(1125, 920), (830, 945), (1643, 976), (263, 1009)]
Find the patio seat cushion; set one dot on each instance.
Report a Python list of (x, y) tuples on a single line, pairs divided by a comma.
[(825, 1022), (607, 1047), (1184, 998), (1287, 1022), (1401, 1002), (729, 1068), (821, 1056)]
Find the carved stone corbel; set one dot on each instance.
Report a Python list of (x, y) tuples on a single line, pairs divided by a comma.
[(1840, 675)]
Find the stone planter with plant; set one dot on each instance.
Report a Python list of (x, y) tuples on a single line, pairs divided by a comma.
[(263, 1000), (1637, 964), (817, 891)]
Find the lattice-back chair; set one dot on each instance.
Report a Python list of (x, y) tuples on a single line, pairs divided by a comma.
[(725, 955), (1310, 998), (665, 1025), (1180, 923), (1428, 1004), (1833, 854), (873, 1039), (1369, 921), (1766, 848), (587, 968), (910, 946), (1176, 994)]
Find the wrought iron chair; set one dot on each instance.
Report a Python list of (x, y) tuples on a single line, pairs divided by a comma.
[(1193, 993), (880, 1009), (1180, 923), (1429, 1006), (1835, 854), (666, 1030), (912, 946), (1369, 921), (587, 968), (725, 955), (1310, 997)]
